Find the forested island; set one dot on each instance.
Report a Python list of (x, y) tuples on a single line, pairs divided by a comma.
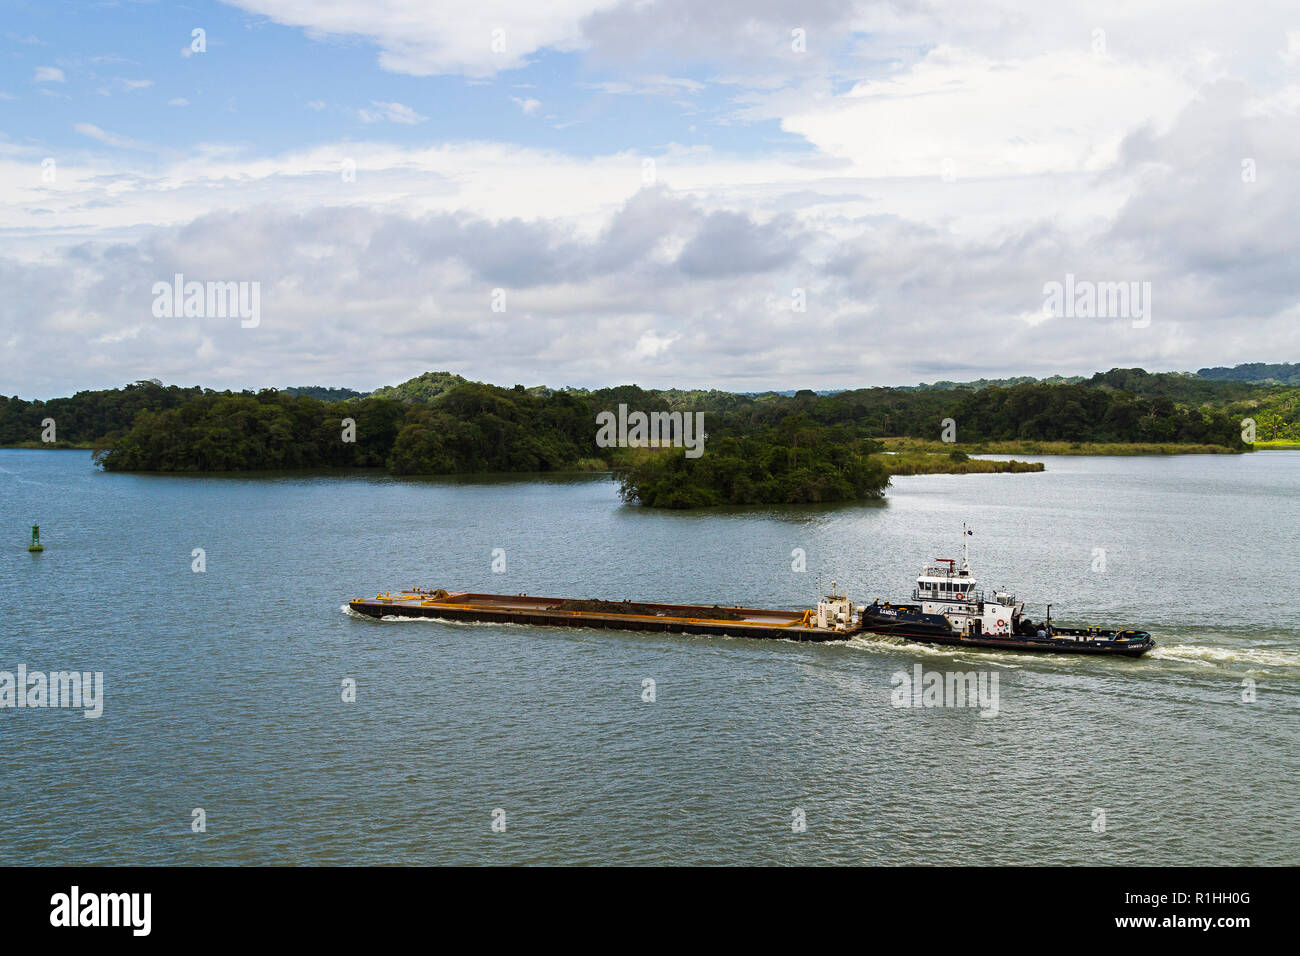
[(761, 448)]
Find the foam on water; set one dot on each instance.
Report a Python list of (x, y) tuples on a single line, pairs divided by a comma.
[(999, 658), (1285, 661), (399, 619)]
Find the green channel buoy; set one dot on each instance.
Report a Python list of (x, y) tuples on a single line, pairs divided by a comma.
[(36, 539)]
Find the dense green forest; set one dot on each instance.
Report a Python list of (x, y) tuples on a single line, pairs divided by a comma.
[(91, 417), (794, 463), (473, 428), (477, 428), (1284, 373), (449, 424), (767, 447), (1276, 416), (422, 388), (221, 431), (979, 383), (324, 393), (1083, 412), (1122, 405)]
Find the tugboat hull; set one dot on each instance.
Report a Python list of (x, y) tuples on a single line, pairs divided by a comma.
[(1074, 643)]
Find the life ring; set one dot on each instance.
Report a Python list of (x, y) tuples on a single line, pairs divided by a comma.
[(1002, 623), (961, 595)]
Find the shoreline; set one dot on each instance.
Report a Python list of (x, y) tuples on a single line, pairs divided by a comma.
[(920, 446), (905, 463), (1027, 447), (50, 446)]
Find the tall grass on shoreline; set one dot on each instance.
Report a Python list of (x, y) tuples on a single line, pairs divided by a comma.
[(953, 463)]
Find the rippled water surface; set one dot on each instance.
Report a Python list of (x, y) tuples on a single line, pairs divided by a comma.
[(223, 688)]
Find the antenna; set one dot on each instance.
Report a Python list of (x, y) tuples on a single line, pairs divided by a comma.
[(965, 548)]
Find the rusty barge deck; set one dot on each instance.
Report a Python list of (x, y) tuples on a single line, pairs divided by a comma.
[(567, 612)]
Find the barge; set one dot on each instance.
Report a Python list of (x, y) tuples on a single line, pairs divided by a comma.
[(735, 621), (947, 608)]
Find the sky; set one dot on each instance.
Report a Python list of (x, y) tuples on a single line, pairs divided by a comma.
[(743, 195)]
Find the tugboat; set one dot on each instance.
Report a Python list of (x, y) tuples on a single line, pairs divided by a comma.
[(949, 608)]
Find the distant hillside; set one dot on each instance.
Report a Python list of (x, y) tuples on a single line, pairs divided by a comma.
[(422, 388), (1176, 386), (324, 393), (947, 386), (439, 423), (1208, 385), (943, 386), (1283, 373)]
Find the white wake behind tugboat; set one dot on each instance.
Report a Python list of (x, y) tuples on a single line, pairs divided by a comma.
[(948, 607)]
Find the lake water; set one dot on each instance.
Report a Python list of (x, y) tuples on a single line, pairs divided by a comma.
[(223, 689)]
